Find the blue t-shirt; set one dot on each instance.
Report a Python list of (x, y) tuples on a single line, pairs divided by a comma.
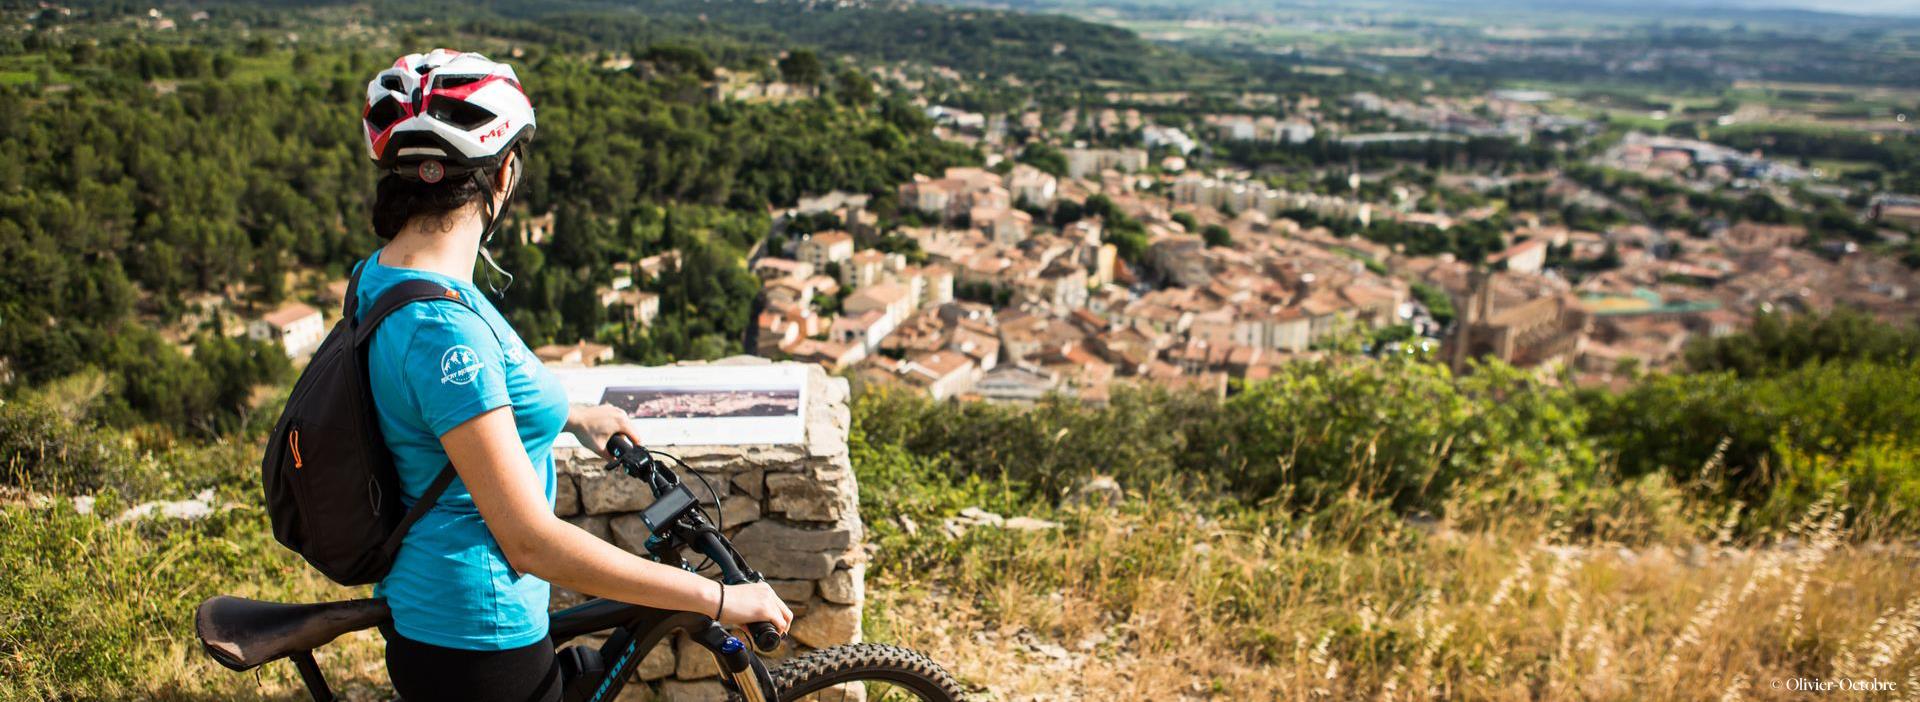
[(433, 366)]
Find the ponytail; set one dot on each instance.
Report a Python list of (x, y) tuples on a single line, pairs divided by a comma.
[(398, 200)]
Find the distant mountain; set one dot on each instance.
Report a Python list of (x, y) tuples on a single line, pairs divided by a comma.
[(1697, 8), (1701, 10)]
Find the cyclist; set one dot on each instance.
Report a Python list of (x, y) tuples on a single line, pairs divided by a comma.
[(452, 381)]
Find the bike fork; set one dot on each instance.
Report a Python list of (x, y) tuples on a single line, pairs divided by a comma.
[(735, 661)]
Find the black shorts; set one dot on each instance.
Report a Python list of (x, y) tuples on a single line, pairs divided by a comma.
[(428, 673)]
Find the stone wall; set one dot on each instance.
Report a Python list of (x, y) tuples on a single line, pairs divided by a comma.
[(791, 510)]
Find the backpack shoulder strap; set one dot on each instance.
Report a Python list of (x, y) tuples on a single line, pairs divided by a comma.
[(351, 303), (403, 293), (419, 509)]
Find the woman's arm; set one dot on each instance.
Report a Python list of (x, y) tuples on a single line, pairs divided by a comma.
[(487, 453)]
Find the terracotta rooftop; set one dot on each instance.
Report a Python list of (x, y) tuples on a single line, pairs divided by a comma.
[(288, 314)]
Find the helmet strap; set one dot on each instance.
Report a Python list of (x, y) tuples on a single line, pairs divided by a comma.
[(490, 215)]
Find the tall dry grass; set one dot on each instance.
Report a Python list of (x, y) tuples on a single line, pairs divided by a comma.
[(1151, 601)]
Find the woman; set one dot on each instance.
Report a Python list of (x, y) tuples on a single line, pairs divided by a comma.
[(453, 382)]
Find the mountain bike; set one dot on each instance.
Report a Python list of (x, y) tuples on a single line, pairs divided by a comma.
[(243, 634)]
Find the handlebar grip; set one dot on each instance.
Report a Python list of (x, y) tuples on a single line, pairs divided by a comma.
[(618, 445), (765, 637)]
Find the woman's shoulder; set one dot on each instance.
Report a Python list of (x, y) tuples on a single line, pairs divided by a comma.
[(438, 317), (440, 320)]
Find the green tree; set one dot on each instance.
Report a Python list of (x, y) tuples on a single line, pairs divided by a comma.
[(852, 87), (802, 67), (1216, 235)]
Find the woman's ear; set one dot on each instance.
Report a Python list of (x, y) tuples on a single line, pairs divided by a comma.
[(503, 181)]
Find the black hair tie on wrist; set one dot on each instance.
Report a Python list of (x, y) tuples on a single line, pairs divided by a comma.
[(717, 611)]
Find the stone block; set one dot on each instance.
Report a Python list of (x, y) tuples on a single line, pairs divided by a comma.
[(845, 585), (835, 391), (693, 661), (714, 486), (697, 691), (825, 437), (809, 496), (735, 459), (775, 455), (658, 664), (830, 465), (576, 460), (774, 535), (604, 493), (637, 692), (792, 565), (827, 624), (752, 483), (740, 511), (629, 533), (566, 496), (792, 591), (705, 457)]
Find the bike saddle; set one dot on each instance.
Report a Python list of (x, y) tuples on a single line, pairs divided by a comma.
[(242, 633)]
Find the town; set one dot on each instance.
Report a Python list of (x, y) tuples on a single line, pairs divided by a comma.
[(1006, 282), (990, 299)]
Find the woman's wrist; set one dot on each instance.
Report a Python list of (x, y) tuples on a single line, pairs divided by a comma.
[(574, 414)]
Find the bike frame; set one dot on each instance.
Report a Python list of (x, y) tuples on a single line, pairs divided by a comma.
[(636, 630)]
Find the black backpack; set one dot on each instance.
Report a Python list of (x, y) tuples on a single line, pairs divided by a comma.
[(332, 491)]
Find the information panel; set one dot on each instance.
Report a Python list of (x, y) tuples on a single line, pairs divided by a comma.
[(697, 405)]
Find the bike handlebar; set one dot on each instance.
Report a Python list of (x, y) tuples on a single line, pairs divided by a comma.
[(709, 543), (618, 445)]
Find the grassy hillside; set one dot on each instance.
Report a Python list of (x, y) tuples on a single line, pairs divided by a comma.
[(1379, 530)]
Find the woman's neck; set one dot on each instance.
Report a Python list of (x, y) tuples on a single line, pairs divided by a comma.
[(448, 246)]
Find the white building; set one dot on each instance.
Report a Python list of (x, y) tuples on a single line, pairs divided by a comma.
[(824, 248), (1084, 162), (1033, 185), (1157, 136), (297, 327)]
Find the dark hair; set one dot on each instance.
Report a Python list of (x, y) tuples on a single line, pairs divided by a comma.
[(397, 200)]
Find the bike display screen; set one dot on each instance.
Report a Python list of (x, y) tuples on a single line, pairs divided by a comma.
[(667, 508)]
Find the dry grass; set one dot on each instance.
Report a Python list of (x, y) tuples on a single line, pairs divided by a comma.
[(99, 610), (1149, 600), (1158, 604)]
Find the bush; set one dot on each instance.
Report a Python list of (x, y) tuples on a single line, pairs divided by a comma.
[(1419, 439), (1750, 439), (1776, 344), (1404, 431)]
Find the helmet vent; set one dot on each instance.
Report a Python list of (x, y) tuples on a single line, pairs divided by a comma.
[(392, 82), (459, 113), (446, 82), (383, 114)]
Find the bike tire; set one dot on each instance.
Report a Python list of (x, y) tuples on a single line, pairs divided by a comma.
[(901, 668)]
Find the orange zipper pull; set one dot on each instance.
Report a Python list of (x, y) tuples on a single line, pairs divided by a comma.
[(296, 448)]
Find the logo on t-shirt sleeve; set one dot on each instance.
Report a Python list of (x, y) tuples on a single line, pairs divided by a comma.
[(460, 365)]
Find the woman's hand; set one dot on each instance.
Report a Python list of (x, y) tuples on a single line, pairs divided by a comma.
[(595, 424), (755, 602)]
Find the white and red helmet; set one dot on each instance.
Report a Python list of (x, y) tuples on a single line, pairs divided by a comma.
[(444, 113)]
